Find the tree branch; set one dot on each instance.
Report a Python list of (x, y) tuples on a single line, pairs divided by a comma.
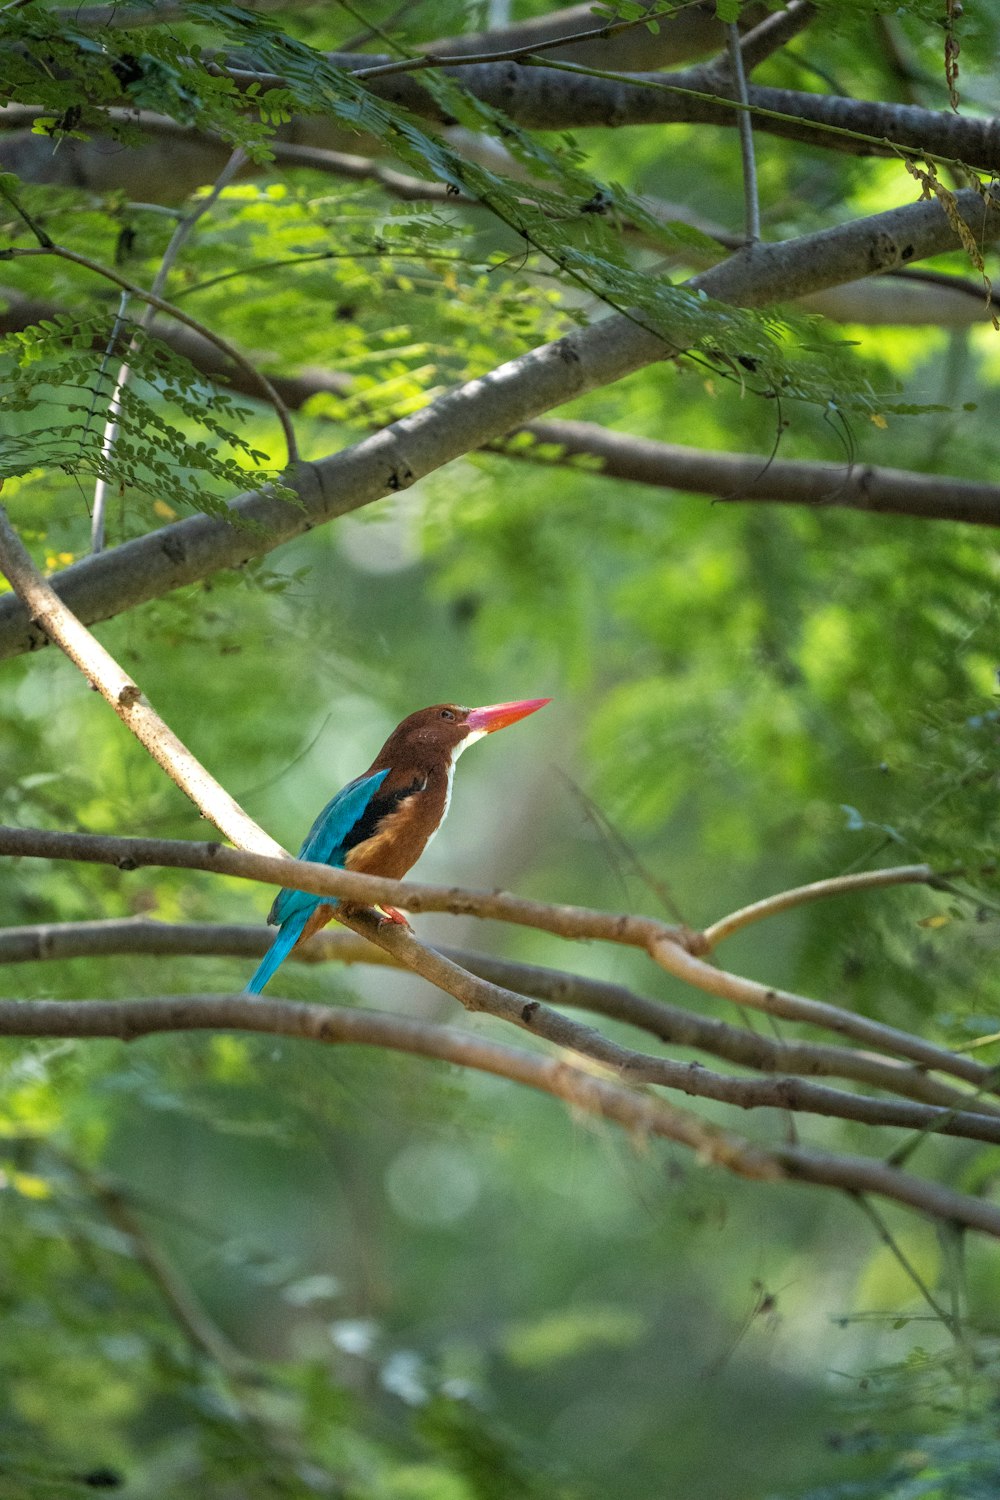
[(640, 1114), (669, 1023), (117, 688), (666, 944), (326, 880), (742, 478), (695, 971), (568, 95), (129, 1019), (480, 411), (817, 890)]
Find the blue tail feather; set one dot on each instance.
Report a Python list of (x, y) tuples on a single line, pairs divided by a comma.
[(285, 940)]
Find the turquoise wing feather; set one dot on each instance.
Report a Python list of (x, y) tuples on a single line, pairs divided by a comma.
[(327, 843)]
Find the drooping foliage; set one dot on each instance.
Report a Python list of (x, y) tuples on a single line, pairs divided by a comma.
[(240, 1266)]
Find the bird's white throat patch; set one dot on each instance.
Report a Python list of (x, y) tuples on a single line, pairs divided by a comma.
[(470, 739), (463, 745)]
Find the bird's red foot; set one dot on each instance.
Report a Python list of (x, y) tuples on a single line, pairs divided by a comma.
[(390, 914)]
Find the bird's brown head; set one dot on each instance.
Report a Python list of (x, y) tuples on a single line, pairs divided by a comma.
[(444, 730)]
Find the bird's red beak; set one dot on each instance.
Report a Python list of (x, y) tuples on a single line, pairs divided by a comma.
[(499, 715)]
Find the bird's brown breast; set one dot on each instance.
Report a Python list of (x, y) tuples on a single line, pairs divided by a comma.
[(401, 836)]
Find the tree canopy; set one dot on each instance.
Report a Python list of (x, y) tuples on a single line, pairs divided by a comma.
[(360, 357)]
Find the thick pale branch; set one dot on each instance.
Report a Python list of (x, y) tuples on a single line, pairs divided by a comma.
[(735, 478), (567, 96), (481, 411), (117, 688), (640, 1114)]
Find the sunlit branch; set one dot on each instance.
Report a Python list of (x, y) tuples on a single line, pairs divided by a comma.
[(641, 1114), (481, 411), (118, 689)]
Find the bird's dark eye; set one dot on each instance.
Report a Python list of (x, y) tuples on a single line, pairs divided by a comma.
[(446, 713)]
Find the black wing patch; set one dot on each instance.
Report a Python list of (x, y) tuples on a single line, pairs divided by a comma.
[(382, 805)]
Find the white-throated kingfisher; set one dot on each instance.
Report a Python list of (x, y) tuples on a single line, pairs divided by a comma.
[(382, 822)]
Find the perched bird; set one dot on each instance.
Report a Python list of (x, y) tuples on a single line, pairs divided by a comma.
[(382, 822)]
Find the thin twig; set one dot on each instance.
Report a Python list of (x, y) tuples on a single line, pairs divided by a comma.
[(103, 672), (818, 890), (751, 199), (177, 239), (896, 1251), (514, 54)]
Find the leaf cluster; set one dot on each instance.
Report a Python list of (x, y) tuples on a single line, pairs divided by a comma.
[(63, 371)]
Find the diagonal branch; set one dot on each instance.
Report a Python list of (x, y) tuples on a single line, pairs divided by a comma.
[(641, 1114), (791, 1007), (117, 688), (482, 410), (817, 890)]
